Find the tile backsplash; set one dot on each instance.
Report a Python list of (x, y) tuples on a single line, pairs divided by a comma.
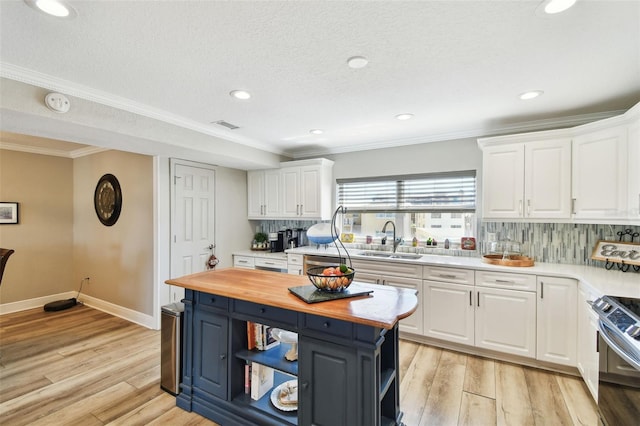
[(557, 242), (545, 242)]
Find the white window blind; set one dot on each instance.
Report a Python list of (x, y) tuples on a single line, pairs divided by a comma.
[(455, 191)]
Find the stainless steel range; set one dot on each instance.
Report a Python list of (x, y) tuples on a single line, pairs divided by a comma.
[(619, 381)]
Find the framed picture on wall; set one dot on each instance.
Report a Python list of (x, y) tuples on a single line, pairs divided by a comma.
[(8, 213)]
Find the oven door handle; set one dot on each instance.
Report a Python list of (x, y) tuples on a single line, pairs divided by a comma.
[(609, 337)]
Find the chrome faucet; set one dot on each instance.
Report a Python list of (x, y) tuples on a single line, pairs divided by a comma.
[(384, 239)]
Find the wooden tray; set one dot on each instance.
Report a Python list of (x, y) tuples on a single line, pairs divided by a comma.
[(496, 259)]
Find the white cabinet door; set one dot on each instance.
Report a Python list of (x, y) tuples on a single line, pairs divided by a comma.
[(255, 194), (448, 311), (413, 323), (557, 320), (503, 181), (263, 194), (547, 183), (290, 191), (506, 321), (599, 174), (272, 201), (588, 358), (634, 172), (301, 189), (310, 201)]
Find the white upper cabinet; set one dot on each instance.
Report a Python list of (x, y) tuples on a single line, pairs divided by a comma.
[(307, 188), (599, 172), (502, 181), (584, 174), (527, 180), (299, 189), (263, 194)]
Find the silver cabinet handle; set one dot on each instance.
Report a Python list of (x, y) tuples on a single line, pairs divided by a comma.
[(478, 299), (573, 206), (505, 281), (541, 290), (242, 261), (450, 277), (470, 297), (300, 209), (528, 207)]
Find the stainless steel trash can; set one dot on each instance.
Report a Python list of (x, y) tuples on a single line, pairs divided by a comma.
[(171, 347)]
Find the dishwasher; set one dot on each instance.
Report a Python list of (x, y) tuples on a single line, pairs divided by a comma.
[(313, 261)]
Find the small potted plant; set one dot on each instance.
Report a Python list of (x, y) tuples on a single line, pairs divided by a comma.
[(260, 241)]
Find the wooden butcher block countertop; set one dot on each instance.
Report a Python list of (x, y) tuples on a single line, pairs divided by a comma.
[(382, 308)]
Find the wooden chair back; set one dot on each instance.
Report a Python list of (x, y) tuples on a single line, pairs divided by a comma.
[(4, 256)]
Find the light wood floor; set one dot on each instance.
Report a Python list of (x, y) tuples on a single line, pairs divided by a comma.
[(85, 367)]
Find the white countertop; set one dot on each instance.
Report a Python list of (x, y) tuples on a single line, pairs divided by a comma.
[(602, 281)]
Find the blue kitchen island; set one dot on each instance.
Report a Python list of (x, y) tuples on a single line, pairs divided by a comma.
[(347, 367)]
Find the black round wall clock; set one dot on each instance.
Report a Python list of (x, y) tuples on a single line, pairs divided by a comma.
[(107, 199)]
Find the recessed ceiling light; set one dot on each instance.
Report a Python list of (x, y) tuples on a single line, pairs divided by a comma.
[(316, 131), (556, 6), (57, 8), (405, 116), (356, 62), (530, 95), (240, 94)]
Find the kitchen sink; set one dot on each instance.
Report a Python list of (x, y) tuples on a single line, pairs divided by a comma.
[(375, 254), (387, 255), (405, 256)]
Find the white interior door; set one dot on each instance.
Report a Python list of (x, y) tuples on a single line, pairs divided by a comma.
[(192, 223)]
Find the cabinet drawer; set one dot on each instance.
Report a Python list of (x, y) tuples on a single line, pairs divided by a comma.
[(394, 269), (213, 301), (450, 275), (270, 263), (330, 326), (506, 280), (260, 312), (295, 259), (243, 262)]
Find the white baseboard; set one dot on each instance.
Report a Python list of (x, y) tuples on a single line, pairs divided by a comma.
[(38, 302), (119, 311), (108, 307)]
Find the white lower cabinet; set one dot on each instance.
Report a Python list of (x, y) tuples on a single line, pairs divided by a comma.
[(587, 357), (295, 264), (401, 275), (557, 320), (505, 321), (457, 309), (448, 311)]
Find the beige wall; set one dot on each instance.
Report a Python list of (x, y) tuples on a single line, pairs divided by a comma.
[(118, 259), (43, 240)]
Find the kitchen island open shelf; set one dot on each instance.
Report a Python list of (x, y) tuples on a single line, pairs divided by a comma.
[(273, 358), (347, 350)]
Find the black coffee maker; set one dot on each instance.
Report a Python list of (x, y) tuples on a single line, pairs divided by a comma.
[(282, 242)]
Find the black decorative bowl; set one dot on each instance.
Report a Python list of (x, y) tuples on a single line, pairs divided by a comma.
[(326, 278)]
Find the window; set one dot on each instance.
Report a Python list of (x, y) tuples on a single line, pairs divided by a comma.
[(437, 206)]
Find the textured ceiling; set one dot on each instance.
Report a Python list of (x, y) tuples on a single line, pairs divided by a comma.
[(457, 66)]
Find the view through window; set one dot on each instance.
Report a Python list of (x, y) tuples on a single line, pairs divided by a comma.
[(427, 206)]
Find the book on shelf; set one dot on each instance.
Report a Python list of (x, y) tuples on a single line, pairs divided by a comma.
[(251, 335), (247, 379), (259, 336), (261, 380)]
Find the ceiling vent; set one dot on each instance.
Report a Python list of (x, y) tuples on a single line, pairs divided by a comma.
[(225, 124)]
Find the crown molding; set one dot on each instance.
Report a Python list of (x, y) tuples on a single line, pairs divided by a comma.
[(77, 153), (523, 127), (35, 78)]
